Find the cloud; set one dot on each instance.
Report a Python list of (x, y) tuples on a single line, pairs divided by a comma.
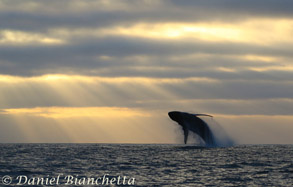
[(43, 14), (76, 112), (250, 8), (87, 56), (163, 94), (223, 57), (104, 38)]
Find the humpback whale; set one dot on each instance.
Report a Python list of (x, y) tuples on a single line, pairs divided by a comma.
[(192, 122)]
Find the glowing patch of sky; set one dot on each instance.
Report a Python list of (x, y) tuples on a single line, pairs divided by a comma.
[(109, 71)]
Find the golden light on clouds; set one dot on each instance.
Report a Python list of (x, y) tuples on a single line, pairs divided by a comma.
[(11, 37), (249, 31), (226, 69), (179, 30), (261, 58), (90, 65), (159, 31), (54, 78), (285, 68), (88, 125), (77, 112)]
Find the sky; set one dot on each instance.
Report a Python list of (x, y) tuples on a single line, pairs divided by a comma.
[(108, 71)]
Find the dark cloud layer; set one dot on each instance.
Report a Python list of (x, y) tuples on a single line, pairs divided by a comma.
[(84, 56), (225, 8), (68, 14), (85, 50), (81, 52)]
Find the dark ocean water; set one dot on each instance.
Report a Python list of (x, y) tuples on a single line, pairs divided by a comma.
[(147, 165)]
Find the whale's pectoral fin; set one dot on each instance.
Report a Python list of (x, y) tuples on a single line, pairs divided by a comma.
[(185, 134)]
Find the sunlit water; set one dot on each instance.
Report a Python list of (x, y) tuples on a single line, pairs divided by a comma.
[(153, 165)]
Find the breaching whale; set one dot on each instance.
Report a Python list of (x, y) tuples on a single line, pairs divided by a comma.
[(191, 122)]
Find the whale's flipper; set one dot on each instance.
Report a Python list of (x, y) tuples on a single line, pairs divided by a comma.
[(203, 115), (185, 134)]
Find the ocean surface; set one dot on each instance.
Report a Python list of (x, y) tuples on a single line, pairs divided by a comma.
[(145, 165)]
